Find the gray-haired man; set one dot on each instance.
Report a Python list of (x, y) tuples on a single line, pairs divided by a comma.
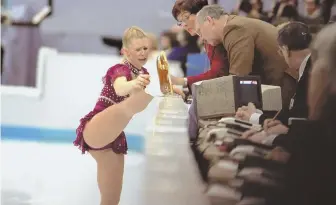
[(251, 46)]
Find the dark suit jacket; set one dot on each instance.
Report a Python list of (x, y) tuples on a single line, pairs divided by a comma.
[(310, 172), (299, 108), (252, 49)]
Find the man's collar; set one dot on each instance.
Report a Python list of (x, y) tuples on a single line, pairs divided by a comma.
[(303, 65)]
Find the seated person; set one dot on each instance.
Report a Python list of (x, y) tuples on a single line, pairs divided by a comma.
[(283, 9), (257, 10), (312, 12), (243, 9), (154, 46), (251, 9), (307, 146), (328, 10), (169, 43), (294, 39)]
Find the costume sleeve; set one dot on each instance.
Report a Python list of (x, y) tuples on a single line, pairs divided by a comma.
[(117, 71)]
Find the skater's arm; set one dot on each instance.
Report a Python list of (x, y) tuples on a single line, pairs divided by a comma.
[(121, 78), (122, 87)]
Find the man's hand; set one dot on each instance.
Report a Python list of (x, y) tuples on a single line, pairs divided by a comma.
[(279, 154), (274, 127), (140, 82), (176, 80), (254, 135), (245, 112), (179, 92)]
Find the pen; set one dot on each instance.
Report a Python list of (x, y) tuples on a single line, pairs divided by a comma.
[(276, 115)]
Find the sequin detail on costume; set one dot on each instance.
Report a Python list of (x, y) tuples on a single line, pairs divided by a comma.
[(108, 97)]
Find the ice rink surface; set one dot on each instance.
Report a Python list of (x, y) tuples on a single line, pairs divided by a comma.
[(57, 174)]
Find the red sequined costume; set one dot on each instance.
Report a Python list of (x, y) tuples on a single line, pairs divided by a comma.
[(108, 97)]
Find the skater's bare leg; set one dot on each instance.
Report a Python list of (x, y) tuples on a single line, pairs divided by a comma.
[(107, 125), (110, 169)]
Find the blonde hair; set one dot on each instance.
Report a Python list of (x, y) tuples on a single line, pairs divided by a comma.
[(131, 33)]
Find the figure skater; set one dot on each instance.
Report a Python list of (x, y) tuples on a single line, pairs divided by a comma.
[(101, 131)]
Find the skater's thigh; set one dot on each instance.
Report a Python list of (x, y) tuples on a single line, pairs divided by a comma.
[(110, 169)]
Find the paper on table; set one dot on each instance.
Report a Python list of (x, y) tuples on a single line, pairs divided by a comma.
[(215, 97)]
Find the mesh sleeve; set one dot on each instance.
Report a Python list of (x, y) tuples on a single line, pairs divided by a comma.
[(117, 71)]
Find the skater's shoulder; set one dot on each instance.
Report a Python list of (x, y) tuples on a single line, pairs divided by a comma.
[(118, 68)]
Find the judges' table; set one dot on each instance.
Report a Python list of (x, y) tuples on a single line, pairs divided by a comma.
[(171, 174)]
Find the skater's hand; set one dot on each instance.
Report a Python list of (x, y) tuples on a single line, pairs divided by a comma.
[(140, 82)]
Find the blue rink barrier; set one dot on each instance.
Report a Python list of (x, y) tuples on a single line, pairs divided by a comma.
[(47, 135)]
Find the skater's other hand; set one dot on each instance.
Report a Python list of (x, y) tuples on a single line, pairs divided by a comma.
[(141, 82)]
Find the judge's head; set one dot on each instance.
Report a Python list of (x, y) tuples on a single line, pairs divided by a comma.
[(184, 11), (294, 39), (210, 23), (136, 46)]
